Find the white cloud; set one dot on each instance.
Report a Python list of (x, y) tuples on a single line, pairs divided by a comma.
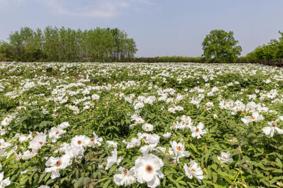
[(91, 8)]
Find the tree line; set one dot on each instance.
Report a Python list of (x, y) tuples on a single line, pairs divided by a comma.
[(67, 45), (106, 44)]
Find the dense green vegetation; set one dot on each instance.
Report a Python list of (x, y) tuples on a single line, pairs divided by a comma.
[(62, 44), (220, 46), (271, 51), (113, 45)]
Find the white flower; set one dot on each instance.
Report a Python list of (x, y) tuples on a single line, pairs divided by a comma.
[(125, 177), (255, 117), (137, 119), (55, 164), (95, 97), (80, 141), (151, 139), (64, 125), (7, 120), (37, 142), (23, 138), (147, 148), (26, 155), (4, 182), (272, 129), (113, 159), (175, 109), (179, 150), (148, 170), (44, 186), (55, 133), (147, 127), (95, 140), (209, 105), (225, 157), (135, 142), (71, 150), (167, 135), (112, 143), (193, 170), (4, 144), (2, 131), (138, 105), (198, 131), (184, 122)]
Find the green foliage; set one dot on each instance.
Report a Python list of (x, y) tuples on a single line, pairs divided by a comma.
[(270, 52), (220, 46), (64, 44), (112, 118), (32, 119), (7, 103)]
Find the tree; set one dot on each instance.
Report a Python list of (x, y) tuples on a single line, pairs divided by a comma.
[(270, 51), (221, 46)]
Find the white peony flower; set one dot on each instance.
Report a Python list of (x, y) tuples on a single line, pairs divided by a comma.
[(138, 105), (113, 159), (272, 129), (147, 148), (4, 182), (137, 119), (198, 131), (175, 109), (4, 144), (71, 150), (23, 138), (148, 170), (225, 157), (255, 117), (80, 141), (55, 164), (125, 177), (193, 170), (167, 135), (26, 155), (44, 186), (64, 125), (112, 143), (135, 142), (55, 133), (95, 140), (185, 122), (179, 150), (95, 97), (151, 139), (7, 120), (37, 142), (147, 127)]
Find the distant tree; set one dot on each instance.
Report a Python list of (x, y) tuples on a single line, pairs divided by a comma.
[(270, 51), (221, 46)]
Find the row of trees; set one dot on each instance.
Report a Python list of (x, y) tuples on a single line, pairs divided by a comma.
[(64, 44), (105, 44)]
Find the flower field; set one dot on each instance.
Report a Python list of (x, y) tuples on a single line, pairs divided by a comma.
[(140, 125)]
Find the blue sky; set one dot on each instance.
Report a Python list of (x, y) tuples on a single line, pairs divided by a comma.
[(159, 27)]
